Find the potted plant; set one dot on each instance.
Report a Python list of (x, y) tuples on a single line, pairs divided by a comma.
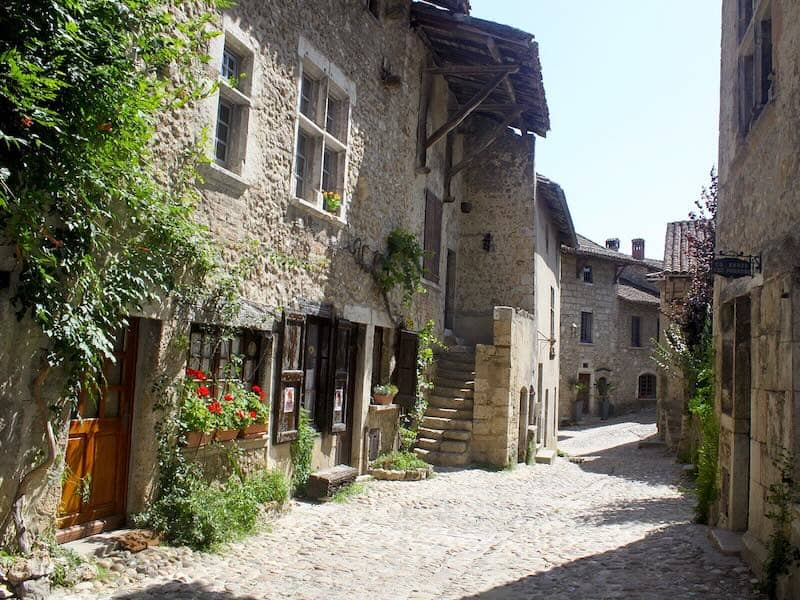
[(384, 393), (197, 418), (230, 417), (331, 202), (257, 409)]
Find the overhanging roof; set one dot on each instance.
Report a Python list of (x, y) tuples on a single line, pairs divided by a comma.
[(556, 201), (473, 53)]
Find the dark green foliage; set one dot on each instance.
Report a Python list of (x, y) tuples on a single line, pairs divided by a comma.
[(701, 407), (399, 461), (97, 230), (401, 265), (301, 453)]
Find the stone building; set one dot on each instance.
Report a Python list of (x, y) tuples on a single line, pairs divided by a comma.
[(609, 317), (407, 113), (674, 282), (757, 317)]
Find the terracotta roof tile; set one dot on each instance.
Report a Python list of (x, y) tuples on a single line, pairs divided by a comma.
[(632, 294), (677, 246)]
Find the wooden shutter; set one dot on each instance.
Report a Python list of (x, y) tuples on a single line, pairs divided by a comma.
[(287, 401), (433, 236), (406, 369), (342, 378)]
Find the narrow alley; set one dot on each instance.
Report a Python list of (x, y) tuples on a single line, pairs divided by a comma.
[(612, 522)]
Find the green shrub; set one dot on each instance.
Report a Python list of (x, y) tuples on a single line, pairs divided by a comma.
[(350, 490), (300, 452), (399, 461)]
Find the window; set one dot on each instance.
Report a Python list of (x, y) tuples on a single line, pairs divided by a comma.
[(587, 274), (586, 327), (322, 137), (552, 313), (636, 332), (756, 75), (225, 357), (647, 386), (233, 106), (432, 237)]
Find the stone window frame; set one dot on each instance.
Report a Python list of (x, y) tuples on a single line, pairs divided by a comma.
[(236, 96), (651, 385), (312, 124), (755, 87)]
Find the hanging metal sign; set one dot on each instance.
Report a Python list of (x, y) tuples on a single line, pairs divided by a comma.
[(735, 266)]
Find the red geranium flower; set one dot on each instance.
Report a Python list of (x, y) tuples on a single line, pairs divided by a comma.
[(203, 392), (240, 413), (200, 375), (257, 389), (191, 373), (215, 408), (229, 397), (253, 414), (26, 121)]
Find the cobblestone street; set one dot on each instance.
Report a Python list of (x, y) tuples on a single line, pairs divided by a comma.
[(615, 525)]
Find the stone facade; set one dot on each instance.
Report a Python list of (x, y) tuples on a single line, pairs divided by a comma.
[(608, 289), (756, 318), (309, 261)]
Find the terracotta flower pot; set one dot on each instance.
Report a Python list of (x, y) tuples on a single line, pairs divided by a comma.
[(254, 431), (195, 439), (383, 399), (225, 435)]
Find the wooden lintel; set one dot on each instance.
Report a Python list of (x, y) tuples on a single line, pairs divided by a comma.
[(491, 139), (466, 110), (473, 69)]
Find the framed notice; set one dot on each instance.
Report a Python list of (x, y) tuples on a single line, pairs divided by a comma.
[(338, 399), (288, 400)]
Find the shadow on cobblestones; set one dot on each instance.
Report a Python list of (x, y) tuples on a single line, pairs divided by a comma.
[(673, 563), (628, 461), (178, 590)]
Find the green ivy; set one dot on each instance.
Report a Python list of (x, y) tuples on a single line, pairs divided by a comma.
[(99, 230), (781, 553), (300, 451), (401, 265)]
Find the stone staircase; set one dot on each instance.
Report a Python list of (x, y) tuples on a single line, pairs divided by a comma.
[(446, 428)]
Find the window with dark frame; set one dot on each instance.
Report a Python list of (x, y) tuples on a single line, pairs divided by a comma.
[(432, 239), (586, 327), (636, 332), (756, 76), (301, 164), (587, 274), (223, 132), (217, 353), (231, 66), (229, 145), (647, 385)]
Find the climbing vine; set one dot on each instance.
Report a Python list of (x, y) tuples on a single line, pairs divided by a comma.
[(781, 553), (401, 265)]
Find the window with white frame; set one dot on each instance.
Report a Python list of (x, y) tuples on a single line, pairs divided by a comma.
[(230, 133), (321, 147)]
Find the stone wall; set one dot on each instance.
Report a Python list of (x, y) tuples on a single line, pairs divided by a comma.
[(756, 318), (502, 380), (610, 353), (501, 192)]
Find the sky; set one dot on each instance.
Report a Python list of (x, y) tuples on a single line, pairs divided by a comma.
[(633, 92)]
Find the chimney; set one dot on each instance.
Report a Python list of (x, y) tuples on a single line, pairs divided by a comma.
[(613, 244), (637, 248)]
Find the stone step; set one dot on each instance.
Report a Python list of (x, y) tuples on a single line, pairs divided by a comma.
[(453, 392), (448, 413), (465, 374), (445, 402), (430, 434), (442, 459), (460, 349), (545, 456), (441, 423), (429, 443), (455, 382), (458, 359), (456, 434), (453, 446)]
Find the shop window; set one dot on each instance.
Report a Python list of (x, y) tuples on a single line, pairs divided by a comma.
[(225, 355)]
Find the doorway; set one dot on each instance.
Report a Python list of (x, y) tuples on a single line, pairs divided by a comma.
[(450, 291), (96, 459), (584, 387)]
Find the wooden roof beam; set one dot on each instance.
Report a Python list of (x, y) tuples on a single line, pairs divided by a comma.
[(467, 109), (473, 69), (498, 58), (490, 139)]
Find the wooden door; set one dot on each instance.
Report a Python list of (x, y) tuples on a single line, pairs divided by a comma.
[(584, 380), (450, 291), (96, 460), (341, 413)]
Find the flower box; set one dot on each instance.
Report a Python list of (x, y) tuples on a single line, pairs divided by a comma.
[(383, 399), (225, 435), (254, 431), (195, 439)]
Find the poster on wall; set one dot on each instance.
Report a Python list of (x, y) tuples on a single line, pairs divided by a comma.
[(338, 399), (288, 400)]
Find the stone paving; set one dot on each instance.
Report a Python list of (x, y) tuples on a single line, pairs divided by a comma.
[(616, 525)]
